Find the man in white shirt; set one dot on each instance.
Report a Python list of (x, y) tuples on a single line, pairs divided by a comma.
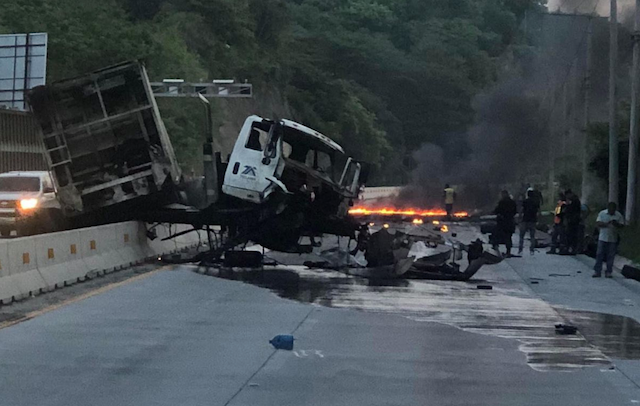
[(609, 221)]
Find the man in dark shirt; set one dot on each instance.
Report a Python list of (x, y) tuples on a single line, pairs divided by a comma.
[(530, 209), (573, 217), (505, 224)]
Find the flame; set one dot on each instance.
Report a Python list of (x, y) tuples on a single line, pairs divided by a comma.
[(390, 211), (418, 221), (444, 229)]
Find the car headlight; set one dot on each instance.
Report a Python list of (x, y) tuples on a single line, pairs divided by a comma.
[(28, 204)]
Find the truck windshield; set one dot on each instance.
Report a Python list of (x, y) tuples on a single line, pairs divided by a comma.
[(19, 184)]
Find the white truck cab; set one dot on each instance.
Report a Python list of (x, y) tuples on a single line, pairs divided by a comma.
[(28, 203), (287, 156)]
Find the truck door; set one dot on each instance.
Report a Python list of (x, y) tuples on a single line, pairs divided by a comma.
[(350, 177), (253, 165)]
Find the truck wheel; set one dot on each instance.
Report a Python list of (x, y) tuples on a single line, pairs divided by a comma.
[(5, 232)]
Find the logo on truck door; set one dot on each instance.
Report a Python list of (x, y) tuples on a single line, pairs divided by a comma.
[(249, 171)]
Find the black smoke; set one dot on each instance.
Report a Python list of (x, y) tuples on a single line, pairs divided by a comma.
[(520, 119)]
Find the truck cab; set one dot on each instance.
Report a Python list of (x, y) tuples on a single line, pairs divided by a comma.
[(28, 203), (288, 157)]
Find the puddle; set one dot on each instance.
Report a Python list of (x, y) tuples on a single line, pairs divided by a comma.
[(616, 336), (510, 310)]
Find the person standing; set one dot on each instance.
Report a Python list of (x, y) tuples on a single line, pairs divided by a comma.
[(537, 195), (530, 209), (609, 221), (573, 216), (505, 223), (449, 199), (558, 234)]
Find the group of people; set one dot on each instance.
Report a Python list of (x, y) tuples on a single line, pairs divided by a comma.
[(568, 225), (567, 234), (506, 212)]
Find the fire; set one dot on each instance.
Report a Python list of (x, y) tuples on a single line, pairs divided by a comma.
[(418, 221), (390, 211)]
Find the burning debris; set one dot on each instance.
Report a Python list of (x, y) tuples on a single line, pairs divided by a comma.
[(390, 211)]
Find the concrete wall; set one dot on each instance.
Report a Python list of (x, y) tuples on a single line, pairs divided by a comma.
[(32, 265), (373, 193)]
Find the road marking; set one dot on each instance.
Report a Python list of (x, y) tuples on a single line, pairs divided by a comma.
[(76, 299), (307, 353)]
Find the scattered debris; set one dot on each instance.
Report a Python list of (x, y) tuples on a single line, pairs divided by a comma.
[(566, 329), (631, 272), (485, 287), (282, 342), (243, 259)]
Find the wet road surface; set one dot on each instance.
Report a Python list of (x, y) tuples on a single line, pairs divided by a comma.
[(178, 337), (193, 336), (509, 310)]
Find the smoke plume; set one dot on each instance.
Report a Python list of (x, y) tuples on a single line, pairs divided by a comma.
[(532, 115)]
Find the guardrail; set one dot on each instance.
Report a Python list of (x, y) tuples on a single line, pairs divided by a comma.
[(33, 265)]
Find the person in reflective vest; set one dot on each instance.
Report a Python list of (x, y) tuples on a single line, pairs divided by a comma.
[(449, 200), (558, 232)]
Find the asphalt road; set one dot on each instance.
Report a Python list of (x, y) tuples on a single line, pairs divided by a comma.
[(178, 337)]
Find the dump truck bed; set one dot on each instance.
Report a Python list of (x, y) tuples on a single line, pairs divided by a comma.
[(104, 139)]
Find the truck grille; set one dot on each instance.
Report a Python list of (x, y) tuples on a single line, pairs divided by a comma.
[(8, 204), (8, 209)]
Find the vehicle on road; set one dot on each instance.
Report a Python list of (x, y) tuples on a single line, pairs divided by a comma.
[(28, 204)]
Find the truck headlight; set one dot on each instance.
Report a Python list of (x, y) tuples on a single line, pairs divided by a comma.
[(28, 204)]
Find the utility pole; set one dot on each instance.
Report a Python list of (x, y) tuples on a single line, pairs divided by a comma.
[(209, 163), (630, 209), (586, 156), (613, 136), (565, 123)]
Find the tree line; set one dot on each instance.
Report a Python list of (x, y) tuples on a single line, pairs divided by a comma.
[(381, 77)]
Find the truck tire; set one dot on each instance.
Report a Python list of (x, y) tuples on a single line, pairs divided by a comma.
[(5, 232)]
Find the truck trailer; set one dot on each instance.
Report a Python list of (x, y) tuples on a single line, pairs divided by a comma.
[(104, 140)]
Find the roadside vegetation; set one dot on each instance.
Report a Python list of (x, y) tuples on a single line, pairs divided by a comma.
[(370, 73)]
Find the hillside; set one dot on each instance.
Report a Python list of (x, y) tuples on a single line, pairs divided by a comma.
[(381, 77)]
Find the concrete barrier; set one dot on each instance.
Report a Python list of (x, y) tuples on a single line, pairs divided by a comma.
[(23, 268), (59, 259), (373, 193), (125, 244), (8, 287), (31, 265), (94, 247)]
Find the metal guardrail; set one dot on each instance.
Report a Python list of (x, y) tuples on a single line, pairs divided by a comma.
[(208, 90)]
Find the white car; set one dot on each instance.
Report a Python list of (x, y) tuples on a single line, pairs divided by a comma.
[(28, 203)]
